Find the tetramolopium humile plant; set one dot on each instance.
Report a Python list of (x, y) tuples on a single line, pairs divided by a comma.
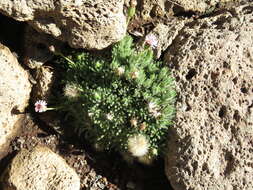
[(124, 102)]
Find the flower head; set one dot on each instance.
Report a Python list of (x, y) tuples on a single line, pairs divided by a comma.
[(151, 40), (71, 91), (143, 126), (120, 71), (40, 106), (138, 145), (134, 74), (133, 122), (153, 109)]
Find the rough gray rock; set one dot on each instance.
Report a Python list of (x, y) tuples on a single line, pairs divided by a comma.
[(87, 24), (39, 169), (166, 33), (14, 94), (200, 6), (210, 145)]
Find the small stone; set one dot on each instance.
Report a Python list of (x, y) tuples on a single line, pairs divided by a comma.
[(40, 169)]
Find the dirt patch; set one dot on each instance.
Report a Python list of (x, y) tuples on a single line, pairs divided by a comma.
[(97, 170)]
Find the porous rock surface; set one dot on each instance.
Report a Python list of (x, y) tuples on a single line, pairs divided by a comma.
[(44, 77), (39, 169), (91, 24), (200, 6), (14, 95), (210, 146)]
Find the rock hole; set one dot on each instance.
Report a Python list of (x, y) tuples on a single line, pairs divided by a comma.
[(223, 111), (235, 80), (214, 75), (188, 108), (41, 46), (226, 65), (191, 74), (236, 116), (244, 90)]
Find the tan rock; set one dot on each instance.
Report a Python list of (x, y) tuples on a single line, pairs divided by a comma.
[(14, 94), (36, 47), (39, 169), (210, 145), (87, 24), (200, 6), (44, 77)]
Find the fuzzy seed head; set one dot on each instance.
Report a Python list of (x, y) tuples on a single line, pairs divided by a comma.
[(71, 91), (138, 145), (120, 71)]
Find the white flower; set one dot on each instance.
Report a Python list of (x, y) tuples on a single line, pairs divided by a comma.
[(40, 106), (109, 116), (120, 71), (151, 40), (138, 145), (71, 91)]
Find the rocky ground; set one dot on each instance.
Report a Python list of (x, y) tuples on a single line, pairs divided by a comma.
[(208, 45)]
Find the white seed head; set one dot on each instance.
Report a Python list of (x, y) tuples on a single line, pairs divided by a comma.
[(138, 145), (120, 71), (71, 91)]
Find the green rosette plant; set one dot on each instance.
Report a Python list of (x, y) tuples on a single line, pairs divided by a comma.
[(124, 101)]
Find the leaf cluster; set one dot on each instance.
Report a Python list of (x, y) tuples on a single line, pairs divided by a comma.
[(129, 93)]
